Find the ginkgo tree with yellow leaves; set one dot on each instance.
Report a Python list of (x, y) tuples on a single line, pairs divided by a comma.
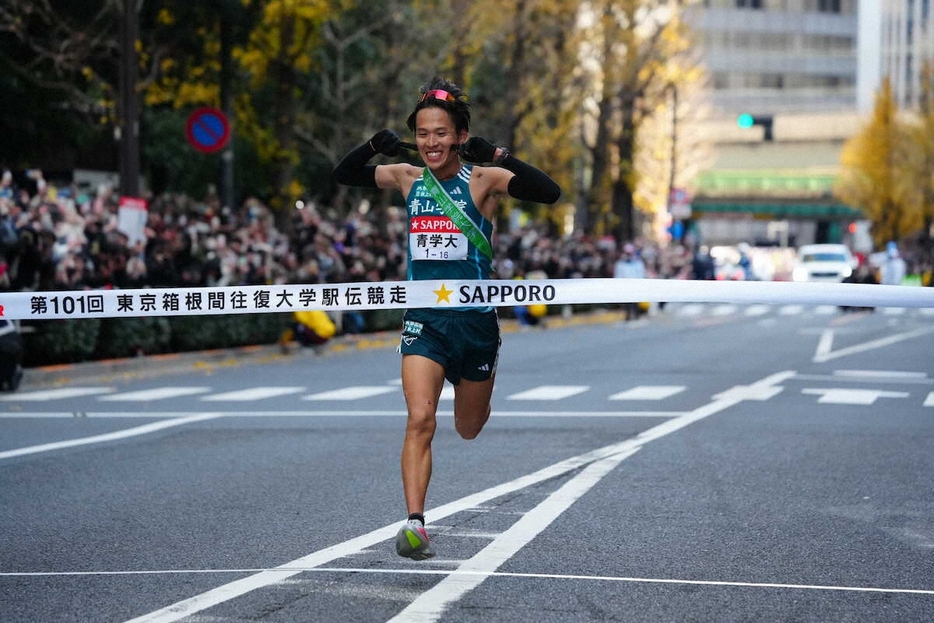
[(279, 50), (876, 173), (920, 133)]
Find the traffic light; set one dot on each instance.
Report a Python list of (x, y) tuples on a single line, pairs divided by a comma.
[(746, 120)]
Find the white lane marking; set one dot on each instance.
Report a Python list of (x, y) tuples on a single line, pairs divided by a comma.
[(825, 310), (232, 590), (893, 311), (159, 393), (352, 393), (493, 574), (331, 413), (759, 391), (57, 394), (549, 392), (691, 309), (429, 606), (120, 434), (447, 392), (723, 310), (757, 310), (824, 346), (790, 310), (854, 379), (848, 396), (880, 343), (149, 415), (929, 401), (927, 311), (649, 392), (254, 393), (880, 374)]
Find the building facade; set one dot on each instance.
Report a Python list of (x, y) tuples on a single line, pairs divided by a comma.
[(793, 64)]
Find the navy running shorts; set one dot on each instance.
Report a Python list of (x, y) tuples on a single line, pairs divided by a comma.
[(465, 343)]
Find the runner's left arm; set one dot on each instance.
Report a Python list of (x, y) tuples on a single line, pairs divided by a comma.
[(527, 183)]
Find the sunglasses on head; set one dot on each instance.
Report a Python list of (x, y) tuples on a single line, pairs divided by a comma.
[(438, 94)]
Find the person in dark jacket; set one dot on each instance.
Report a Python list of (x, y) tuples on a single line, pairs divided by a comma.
[(11, 355)]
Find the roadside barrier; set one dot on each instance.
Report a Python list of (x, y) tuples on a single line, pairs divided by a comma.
[(442, 294)]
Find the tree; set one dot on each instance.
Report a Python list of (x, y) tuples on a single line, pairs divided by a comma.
[(921, 159), (58, 64), (876, 174), (632, 41), (280, 49)]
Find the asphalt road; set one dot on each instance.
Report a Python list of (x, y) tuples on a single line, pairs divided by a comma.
[(711, 463)]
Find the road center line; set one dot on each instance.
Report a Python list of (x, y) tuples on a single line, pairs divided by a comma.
[(232, 590), (120, 434), (335, 413), (429, 606)]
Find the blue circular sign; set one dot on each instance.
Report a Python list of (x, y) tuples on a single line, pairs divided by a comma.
[(208, 130)]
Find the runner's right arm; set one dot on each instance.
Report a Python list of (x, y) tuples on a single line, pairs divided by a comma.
[(353, 170)]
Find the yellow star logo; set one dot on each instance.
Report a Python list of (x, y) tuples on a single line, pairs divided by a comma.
[(443, 294)]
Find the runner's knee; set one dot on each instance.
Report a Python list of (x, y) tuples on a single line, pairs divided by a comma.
[(421, 423)]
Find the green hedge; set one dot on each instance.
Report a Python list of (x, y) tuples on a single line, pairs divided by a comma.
[(72, 341), (61, 341)]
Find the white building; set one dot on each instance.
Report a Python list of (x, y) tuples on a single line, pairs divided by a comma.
[(896, 40)]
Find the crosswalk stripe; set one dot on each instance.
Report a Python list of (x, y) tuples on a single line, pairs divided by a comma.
[(929, 401), (352, 393), (159, 393), (254, 393), (849, 396), (57, 394), (826, 310), (691, 309), (757, 310), (791, 310), (549, 392), (649, 392)]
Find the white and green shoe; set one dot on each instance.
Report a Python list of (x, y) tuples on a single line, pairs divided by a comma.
[(412, 541)]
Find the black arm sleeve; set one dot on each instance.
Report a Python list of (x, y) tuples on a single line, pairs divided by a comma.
[(530, 184), (353, 170)]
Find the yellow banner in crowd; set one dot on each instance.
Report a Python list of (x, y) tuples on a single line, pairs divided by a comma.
[(442, 294)]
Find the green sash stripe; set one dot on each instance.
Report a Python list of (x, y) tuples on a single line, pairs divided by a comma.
[(456, 214)]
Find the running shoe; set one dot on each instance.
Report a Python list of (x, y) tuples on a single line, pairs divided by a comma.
[(412, 541)]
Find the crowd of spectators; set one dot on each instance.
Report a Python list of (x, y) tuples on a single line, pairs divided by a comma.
[(66, 238)]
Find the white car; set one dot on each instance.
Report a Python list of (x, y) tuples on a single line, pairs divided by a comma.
[(824, 262)]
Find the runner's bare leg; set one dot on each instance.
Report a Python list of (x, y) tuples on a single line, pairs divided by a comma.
[(422, 382), (472, 406)]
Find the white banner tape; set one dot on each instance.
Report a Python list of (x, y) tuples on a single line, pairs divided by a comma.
[(442, 294)]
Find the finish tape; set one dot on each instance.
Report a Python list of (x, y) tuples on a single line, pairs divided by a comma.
[(442, 294)]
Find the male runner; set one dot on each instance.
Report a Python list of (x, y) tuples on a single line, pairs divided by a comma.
[(458, 344)]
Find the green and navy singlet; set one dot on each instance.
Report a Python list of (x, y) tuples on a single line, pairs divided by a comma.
[(437, 248)]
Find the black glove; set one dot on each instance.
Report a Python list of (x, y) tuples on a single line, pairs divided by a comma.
[(386, 142), (479, 150)]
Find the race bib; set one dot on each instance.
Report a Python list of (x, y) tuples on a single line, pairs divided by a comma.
[(436, 238)]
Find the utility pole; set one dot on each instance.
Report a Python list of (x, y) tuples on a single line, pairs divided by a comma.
[(674, 144), (676, 228), (128, 107), (227, 155)]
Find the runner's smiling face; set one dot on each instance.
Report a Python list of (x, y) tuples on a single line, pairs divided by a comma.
[(437, 141)]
